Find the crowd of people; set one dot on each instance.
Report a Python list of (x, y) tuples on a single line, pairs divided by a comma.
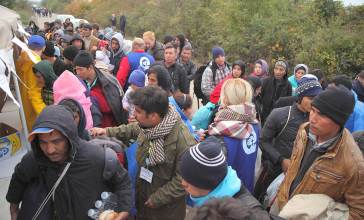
[(42, 12), (109, 114)]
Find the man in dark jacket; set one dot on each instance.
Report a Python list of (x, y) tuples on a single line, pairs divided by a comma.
[(176, 70), (122, 23), (186, 62), (274, 87), (104, 89), (162, 138), (205, 175), (84, 170), (280, 130)]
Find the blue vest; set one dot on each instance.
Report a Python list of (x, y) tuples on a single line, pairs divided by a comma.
[(142, 60), (242, 155)]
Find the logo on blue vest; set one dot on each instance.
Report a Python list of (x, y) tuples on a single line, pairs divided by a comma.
[(250, 143), (144, 63)]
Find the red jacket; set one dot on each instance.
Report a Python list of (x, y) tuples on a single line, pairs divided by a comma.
[(215, 95)]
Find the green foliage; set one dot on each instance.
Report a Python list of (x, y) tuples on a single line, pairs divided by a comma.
[(321, 33)]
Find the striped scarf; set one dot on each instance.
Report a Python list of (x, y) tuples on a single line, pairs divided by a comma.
[(157, 134), (234, 121)]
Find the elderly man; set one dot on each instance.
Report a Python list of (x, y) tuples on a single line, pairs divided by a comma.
[(325, 158), (71, 171), (162, 138)]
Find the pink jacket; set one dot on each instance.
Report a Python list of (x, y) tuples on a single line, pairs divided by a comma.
[(68, 85)]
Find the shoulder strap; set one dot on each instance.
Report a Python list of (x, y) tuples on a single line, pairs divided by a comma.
[(289, 116), (51, 192)]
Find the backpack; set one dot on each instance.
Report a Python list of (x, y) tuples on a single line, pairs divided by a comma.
[(198, 79)]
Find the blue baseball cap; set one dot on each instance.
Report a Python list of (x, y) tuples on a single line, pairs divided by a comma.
[(39, 131), (36, 41)]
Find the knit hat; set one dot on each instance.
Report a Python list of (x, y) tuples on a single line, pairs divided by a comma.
[(342, 80), (217, 51), (336, 103), (83, 59), (59, 32), (137, 78), (281, 63), (204, 165), (36, 42), (49, 49), (70, 52), (308, 86)]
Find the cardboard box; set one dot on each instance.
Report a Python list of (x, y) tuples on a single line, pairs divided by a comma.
[(10, 142)]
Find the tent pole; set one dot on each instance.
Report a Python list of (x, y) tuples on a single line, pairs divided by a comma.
[(21, 111)]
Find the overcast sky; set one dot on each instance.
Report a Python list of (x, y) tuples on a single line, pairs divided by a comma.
[(346, 2)]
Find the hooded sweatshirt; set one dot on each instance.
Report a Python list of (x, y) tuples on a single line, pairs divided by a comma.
[(85, 179), (69, 86), (45, 68), (292, 79), (78, 37), (116, 56), (82, 132)]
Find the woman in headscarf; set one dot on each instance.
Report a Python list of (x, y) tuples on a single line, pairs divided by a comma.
[(299, 71), (261, 69)]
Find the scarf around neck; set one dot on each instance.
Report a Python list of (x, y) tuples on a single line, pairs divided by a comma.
[(157, 135), (234, 121)]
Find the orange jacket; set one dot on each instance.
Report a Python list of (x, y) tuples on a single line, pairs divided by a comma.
[(339, 173), (30, 94)]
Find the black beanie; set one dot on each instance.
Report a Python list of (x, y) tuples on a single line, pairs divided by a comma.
[(342, 80), (336, 103), (49, 49), (70, 52), (204, 165), (83, 59)]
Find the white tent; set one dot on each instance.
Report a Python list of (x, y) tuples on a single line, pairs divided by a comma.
[(10, 28)]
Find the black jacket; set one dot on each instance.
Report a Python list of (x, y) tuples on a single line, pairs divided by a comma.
[(114, 95), (179, 77), (276, 147), (244, 196), (85, 179), (272, 90)]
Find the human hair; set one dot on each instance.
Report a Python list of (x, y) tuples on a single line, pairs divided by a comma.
[(150, 35), (95, 26), (138, 43), (163, 77), (169, 46), (361, 74), (236, 92), (187, 47), (168, 39), (151, 99), (184, 101), (182, 41), (226, 208)]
